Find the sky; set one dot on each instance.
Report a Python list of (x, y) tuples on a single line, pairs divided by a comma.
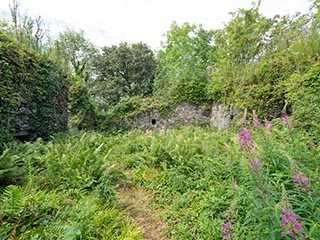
[(110, 22)]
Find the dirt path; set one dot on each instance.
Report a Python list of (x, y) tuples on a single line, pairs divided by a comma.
[(136, 203)]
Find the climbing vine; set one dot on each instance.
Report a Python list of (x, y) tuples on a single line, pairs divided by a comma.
[(33, 94)]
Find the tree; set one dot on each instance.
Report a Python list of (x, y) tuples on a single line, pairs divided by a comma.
[(239, 45), (183, 62), (30, 32), (256, 58), (75, 53), (243, 38), (123, 71)]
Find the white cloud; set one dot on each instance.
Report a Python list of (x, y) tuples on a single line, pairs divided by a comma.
[(109, 22)]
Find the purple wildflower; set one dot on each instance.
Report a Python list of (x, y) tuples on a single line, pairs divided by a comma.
[(290, 224), (245, 140), (256, 123), (298, 227), (255, 166), (246, 143), (290, 233), (226, 230), (286, 121), (302, 182)]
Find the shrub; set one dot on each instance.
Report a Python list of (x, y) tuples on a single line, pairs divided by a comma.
[(306, 102)]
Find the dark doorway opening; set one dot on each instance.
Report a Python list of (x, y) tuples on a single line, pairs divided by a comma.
[(153, 121)]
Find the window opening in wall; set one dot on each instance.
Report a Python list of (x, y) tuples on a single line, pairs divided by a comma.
[(153, 121)]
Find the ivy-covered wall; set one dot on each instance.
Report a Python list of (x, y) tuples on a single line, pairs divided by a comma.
[(33, 94)]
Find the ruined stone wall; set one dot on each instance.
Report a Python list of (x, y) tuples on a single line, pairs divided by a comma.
[(220, 116), (182, 114)]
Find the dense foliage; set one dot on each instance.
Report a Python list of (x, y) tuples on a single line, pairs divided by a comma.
[(33, 93), (123, 71), (306, 102), (257, 57), (261, 182), (66, 191), (202, 183), (252, 63), (75, 55), (182, 64)]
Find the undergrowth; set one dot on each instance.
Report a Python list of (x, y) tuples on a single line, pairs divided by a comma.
[(261, 183), (66, 191)]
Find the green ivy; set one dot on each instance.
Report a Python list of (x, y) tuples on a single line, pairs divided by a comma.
[(306, 102), (33, 93)]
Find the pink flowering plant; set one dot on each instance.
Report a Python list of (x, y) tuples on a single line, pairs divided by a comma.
[(248, 146), (258, 189), (290, 225), (286, 121), (245, 141), (227, 230), (256, 124), (302, 183), (265, 155)]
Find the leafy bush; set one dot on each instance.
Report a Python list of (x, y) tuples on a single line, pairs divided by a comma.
[(82, 112), (306, 102), (117, 119), (256, 58)]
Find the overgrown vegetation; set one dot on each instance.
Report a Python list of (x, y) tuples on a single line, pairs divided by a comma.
[(33, 93), (253, 62), (66, 191), (200, 180), (182, 64), (252, 181)]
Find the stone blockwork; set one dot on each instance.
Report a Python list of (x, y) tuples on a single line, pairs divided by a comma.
[(220, 116), (182, 114), (148, 120)]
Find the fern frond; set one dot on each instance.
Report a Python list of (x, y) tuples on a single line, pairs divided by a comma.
[(13, 201)]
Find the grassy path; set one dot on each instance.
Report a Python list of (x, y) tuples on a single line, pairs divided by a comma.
[(136, 205)]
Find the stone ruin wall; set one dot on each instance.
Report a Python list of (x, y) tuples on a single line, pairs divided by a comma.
[(182, 114)]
